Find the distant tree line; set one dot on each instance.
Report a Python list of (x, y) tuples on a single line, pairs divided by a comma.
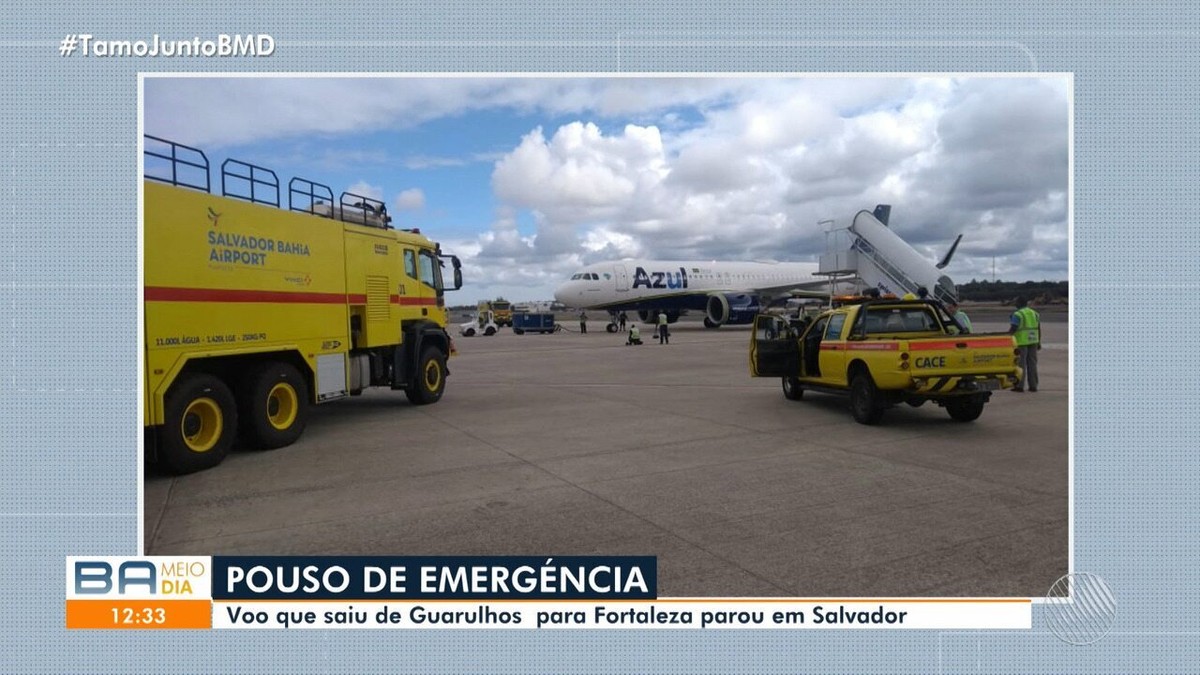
[(1038, 292)]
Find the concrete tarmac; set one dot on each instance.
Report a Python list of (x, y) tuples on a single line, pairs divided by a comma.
[(571, 444)]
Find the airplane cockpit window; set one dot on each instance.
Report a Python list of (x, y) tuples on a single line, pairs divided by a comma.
[(575, 277)]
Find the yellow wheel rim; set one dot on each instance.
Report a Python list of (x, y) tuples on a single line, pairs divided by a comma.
[(282, 404), (202, 425), (433, 375)]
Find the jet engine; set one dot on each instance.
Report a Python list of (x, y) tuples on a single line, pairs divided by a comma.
[(730, 308)]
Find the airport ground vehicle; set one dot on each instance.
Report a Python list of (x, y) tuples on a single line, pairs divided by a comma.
[(483, 324), (884, 352), (533, 322), (501, 309), (253, 312)]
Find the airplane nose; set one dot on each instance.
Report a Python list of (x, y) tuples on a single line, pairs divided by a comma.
[(560, 293)]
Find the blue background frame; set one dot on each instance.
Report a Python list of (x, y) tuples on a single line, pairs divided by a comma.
[(69, 295)]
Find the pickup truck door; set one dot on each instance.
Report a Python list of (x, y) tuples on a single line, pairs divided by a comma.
[(833, 350), (774, 351), (810, 348)]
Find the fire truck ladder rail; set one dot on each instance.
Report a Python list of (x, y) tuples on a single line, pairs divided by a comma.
[(177, 163), (250, 184)]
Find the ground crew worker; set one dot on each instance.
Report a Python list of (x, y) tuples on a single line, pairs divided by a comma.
[(621, 319), (664, 338), (635, 336), (909, 296), (959, 315), (582, 322), (1025, 326)]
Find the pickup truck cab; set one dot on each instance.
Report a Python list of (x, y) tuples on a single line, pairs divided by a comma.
[(881, 352)]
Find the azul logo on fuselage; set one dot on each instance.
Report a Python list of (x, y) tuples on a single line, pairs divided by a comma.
[(660, 279)]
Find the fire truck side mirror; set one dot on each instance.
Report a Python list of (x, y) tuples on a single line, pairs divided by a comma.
[(457, 272)]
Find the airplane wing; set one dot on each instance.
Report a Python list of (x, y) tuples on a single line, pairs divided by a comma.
[(817, 288)]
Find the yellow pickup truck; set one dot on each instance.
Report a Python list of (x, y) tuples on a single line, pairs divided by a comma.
[(882, 352)]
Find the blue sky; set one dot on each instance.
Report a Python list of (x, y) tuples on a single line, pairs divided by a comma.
[(529, 178)]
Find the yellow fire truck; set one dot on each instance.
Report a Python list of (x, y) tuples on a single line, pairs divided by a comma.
[(501, 309), (254, 310)]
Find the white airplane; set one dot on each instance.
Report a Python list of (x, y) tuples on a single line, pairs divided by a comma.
[(733, 292), (727, 292)]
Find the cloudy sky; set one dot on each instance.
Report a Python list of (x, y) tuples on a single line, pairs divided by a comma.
[(527, 179)]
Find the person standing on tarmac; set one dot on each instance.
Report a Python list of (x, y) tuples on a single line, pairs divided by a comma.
[(582, 322), (1025, 326), (664, 337), (621, 319)]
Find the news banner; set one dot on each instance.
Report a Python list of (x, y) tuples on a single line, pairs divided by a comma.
[(473, 592)]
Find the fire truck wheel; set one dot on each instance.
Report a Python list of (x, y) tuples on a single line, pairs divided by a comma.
[(200, 424), (430, 380), (965, 408), (864, 400), (273, 405)]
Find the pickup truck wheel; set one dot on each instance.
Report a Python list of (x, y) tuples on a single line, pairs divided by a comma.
[(273, 405), (489, 331), (792, 390), (965, 408), (864, 400), (199, 426), (429, 382)]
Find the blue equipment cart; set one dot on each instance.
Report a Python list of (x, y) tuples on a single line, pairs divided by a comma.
[(533, 322)]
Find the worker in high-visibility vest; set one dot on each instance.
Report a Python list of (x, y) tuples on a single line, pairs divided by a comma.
[(1025, 326), (959, 315)]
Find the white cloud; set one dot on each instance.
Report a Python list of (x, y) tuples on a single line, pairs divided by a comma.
[(579, 172), (412, 199), (365, 189), (752, 179)]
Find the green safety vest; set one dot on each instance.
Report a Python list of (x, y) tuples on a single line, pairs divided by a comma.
[(961, 317), (1027, 332)]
